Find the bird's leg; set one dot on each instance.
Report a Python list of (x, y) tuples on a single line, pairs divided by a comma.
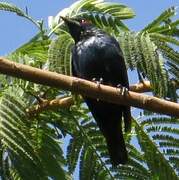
[(123, 89), (98, 82), (94, 80)]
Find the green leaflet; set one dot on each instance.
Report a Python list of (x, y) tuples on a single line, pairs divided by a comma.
[(12, 8), (73, 152), (152, 146), (174, 70), (87, 163), (24, 144), (165, 16), (157, 164), (140, 52), (114, 9), (164, 132), (59, 54), (14, 132), (94, 10)]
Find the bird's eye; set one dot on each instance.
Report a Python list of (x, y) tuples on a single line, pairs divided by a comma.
[(83, 21)]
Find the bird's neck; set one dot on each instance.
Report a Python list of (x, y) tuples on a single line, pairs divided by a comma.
[(89, 32)]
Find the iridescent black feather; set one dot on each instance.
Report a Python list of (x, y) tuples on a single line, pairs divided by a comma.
[(98, 55)]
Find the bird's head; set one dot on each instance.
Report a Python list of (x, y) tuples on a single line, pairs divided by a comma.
[(77, 27)]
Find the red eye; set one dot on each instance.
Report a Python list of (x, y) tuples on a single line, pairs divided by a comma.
[(83, 21)]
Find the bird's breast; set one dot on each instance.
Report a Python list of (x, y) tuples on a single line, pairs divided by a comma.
[(93, 46), (91, 55)]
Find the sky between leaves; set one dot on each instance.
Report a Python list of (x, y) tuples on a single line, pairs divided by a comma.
[(15, 30)]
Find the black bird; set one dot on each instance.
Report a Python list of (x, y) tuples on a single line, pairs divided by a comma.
[(98, 55)]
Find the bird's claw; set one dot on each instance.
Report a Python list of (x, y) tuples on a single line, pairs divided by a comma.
[(94, 79), (123, 89), (98, 82)]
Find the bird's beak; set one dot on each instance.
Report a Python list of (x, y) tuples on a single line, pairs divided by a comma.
[(69, 21), (65, 19), (73, 27)]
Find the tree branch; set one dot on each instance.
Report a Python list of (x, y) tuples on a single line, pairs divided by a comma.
[(66, 102), (88, 88), (63, 102), (141, 87)]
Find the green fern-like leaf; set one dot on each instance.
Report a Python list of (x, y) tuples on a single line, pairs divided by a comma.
[(59, 54), (32, 151), (156, 162), (49, 152), (12, 8), (87, 163), (113, 9), (162, 18), (14, 132), (107, 23), (97, 11), (73, 151), (164, 134), (174, 70), (141, 53), (129, 172), (37, 50), (165, 38), (167, 29), (34, 52), (168, 52)]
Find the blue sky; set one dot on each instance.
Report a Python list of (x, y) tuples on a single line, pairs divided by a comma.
[(16, 30)]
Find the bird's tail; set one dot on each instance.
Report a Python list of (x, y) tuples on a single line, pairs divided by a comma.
[(127, 118), (116, 146)]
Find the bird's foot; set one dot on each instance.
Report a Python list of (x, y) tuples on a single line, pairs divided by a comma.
[(123, 90), (98, 82)]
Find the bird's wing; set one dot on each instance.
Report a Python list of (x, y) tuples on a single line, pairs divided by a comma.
[(74, 63), (115, 66), (116, 73)]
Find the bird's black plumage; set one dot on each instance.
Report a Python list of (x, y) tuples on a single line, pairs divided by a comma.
[(98, 55)]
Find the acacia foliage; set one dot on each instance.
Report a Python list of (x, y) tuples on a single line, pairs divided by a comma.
[(57, 143)]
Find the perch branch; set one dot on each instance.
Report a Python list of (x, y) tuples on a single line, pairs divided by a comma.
[(88, 88), (66, 102)]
